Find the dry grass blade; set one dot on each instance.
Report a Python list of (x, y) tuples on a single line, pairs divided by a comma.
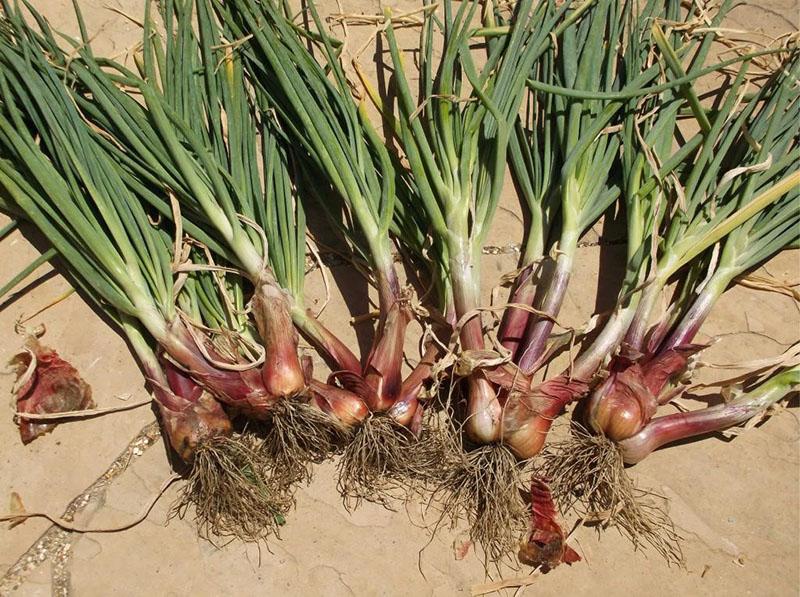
[(587, 475), (518, 583), (231, 491), (769, 283)]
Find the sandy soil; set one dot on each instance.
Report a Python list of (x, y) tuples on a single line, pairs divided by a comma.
[(736, 503)]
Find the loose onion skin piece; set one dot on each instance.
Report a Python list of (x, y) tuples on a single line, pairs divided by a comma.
[(46, 383), (546, 543)]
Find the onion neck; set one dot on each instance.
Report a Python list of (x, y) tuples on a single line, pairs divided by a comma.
[(515, 321), (483, 415), (641, 322), (606, 343), (383, 370), (539, 327), (388, 284), (335, 352), (690, 324), (413, 384), (251, 260)]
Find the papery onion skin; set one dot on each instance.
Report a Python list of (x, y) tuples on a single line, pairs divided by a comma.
[(190, 415), (192, 427), (243, 390), (383, 372), (53, 386)]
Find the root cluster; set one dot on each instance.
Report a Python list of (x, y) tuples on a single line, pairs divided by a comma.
[(484, 488), (243, 486), (375, 464), (232, 492), (297, 436), (587, 475)]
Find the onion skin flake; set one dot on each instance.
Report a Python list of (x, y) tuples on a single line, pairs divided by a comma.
[(46, 384)]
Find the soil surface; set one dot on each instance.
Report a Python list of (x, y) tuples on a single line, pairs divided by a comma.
[(735, 502)]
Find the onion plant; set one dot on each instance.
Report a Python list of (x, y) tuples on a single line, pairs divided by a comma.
[(454, 136), (535, 163), (349, 171), (648, 131), (56, 172), (206, 137), (747, 404), (36, 102), (196, 136), (585, 61), (741, 191), (741, 216), (601, 485)]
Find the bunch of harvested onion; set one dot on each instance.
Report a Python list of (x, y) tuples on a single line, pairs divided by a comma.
[(742, 200), (79, 191), (232, 186), (742, 205), (453, 153), (351, 171), (176, 197)]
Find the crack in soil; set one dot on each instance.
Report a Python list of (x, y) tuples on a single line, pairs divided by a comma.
[(55, 544)]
